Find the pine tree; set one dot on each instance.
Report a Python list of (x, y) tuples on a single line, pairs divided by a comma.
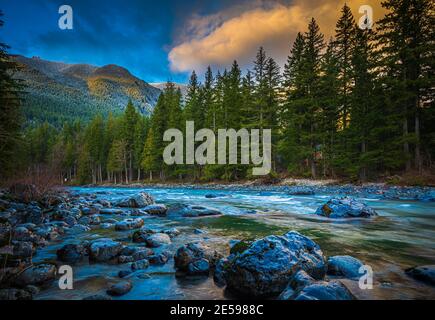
[(10, 111), (344, 41), (406, 42)]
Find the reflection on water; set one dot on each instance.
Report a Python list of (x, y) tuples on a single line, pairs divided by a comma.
[(402, 236)]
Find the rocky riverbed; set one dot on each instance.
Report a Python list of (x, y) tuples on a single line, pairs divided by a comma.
[(286, 242)]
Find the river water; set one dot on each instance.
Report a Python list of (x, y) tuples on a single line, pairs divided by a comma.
[(402, 236)]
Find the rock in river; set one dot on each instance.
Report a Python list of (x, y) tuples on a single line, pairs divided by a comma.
[(344, 266), (71, 253), (193, 211), (157, 240), (345, 208), (333, 290), (195, 259), (129, 224), (267, 265), (156, 209), (140, 200), (423, 273), (104, 249), (120, 288), (36, 275)]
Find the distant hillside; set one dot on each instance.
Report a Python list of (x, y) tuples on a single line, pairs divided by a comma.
[(161, 86), (58, 92)]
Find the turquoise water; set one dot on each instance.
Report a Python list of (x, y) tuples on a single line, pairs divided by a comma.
[(402, 236)]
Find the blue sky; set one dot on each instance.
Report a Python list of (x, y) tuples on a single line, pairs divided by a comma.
[(163, 40)]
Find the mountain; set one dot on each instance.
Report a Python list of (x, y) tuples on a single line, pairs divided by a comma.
[(162, 85), (58, 92)]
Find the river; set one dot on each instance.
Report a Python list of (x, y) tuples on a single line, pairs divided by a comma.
[(402, 236)]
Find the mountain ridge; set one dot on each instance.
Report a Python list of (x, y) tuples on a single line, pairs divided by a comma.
[(58, 91)]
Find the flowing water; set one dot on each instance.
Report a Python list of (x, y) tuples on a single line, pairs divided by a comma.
[(401, 237)]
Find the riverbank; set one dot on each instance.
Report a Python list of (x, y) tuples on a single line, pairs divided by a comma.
[(302, 187)]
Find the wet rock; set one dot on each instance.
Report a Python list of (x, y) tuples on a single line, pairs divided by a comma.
[(267, 265), (156, 209), (90, 220), (344, 266), (15, 294), (124, 273), (214, 195), (36, 275), (157, 240), (345, 208), (22, 234), (192, 211), (190, 258), (199, 231), (71, 253), (199, 267), (129, 224), (172, 232), (301, 191), (47, 232), (87, 211), (142, 254), (159, 259), (120, 288), (80, 228), (423, 273), (140, 200), (125, 259), (111, 211), (300, 280), (219, 271), (23, 249), (104, 249), (333, 290), (140, 265)]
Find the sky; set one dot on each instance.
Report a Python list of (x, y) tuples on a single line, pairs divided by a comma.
[(165, 40)]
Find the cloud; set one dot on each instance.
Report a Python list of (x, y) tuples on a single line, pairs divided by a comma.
[(220, 38)]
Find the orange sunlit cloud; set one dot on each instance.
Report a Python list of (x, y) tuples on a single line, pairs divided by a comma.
[(217, 43)]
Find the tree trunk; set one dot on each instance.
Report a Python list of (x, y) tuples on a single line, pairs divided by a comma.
[(418, 164), (406, 144)]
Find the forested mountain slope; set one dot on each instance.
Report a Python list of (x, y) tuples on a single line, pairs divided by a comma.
[(58, 92)]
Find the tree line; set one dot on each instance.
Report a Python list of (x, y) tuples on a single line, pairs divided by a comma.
[(358, 105)]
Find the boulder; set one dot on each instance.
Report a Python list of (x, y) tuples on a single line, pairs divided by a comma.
[(423, 273), (345, 208), (104, 249), (142, 254), (300, 280), (140, 200), (36, 275), (266, 267), (333, 290), (157, 240), (71, 253), (140, 265), (192, 211), (301, 191), (195, 259), (159, 259), (129, 224), (156, 209), (23, 249), (344, 266), (120, 288)]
